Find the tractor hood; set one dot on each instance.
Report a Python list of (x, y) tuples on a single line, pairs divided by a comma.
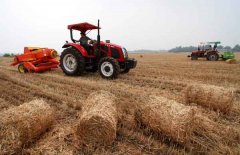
[(111, 44), (196, 51)]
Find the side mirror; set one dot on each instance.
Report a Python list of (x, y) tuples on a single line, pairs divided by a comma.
[(107, 41)]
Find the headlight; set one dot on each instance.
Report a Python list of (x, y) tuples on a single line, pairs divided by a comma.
[(125, 53)]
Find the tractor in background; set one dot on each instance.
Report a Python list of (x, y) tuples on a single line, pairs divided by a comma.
[(107, 58), (209, 51)]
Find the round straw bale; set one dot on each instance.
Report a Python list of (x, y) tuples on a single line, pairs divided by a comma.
[(168, 117), (98, 121), (218, 98), (20, 125)]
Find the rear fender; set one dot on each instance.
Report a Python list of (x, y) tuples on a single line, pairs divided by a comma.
[(78, 47)]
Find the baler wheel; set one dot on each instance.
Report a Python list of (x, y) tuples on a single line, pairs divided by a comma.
[(22, 69)]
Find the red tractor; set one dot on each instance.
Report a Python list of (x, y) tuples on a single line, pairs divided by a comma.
[(107, 58), (205, 50)]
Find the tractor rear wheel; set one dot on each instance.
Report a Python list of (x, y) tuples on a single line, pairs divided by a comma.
[(72, 62), (108, 68), (212, 56), (22, 69)]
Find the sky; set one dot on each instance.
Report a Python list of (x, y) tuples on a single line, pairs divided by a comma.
[(134, 24)]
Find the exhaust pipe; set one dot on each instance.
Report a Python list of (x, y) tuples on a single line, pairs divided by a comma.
[(98, 40)]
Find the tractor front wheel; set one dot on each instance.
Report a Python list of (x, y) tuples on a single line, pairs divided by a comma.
[(212, 56), (194, 57), (108, 68), (21, 68), (72, 62)]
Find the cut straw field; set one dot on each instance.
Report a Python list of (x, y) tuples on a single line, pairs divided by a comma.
[(167, 105)]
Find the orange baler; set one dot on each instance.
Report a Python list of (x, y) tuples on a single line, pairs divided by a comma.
[(36, 59)]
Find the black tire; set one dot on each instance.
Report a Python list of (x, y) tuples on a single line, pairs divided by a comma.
[(22, 69), (108, 68), (78, 65), (125, 71), (194, 57), (212, 56)]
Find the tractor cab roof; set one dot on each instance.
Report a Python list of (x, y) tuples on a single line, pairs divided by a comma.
[(209, 43), (83, 27)]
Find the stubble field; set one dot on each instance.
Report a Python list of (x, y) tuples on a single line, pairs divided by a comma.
[(160, 75)]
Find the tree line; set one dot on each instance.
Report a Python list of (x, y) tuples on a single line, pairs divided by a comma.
[(236, 48), (9, 55)]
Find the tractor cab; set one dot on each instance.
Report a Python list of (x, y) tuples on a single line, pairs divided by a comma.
[(108, 58), (213, 45), (208, 46), (83, 28)]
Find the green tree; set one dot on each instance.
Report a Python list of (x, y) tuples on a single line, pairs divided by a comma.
[(8, 55), (220, 47), (236, 48), (183, 49), (228, 48)]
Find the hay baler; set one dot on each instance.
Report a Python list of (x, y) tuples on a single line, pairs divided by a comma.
[(36, 59), (228, 55)]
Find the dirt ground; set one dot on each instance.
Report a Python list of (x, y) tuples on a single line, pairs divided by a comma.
[(165, 74)]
